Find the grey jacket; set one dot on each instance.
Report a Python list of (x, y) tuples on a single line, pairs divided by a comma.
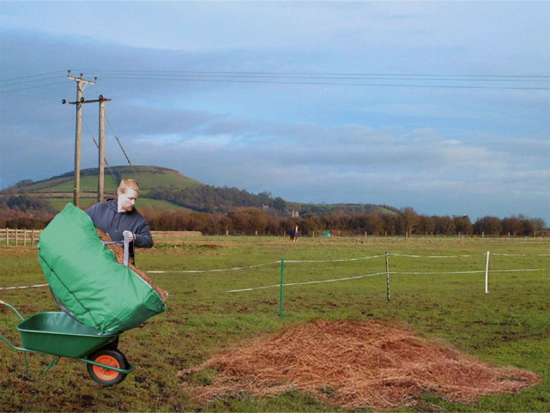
[(106, 217)]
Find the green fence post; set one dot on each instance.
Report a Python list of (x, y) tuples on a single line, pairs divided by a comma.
[(388, 275), (282, 288)]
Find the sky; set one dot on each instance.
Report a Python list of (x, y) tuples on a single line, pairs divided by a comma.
[(442, 106)]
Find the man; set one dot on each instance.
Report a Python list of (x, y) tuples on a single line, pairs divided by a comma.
[(117, 216)]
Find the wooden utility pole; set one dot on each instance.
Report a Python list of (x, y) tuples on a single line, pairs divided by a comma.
[(101, 148), (101, 160), (81, 84)]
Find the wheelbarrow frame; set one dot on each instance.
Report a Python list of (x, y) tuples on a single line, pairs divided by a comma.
[(60, 334), (57, 334)]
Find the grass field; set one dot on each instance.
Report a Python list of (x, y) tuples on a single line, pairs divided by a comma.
[(439, 298)]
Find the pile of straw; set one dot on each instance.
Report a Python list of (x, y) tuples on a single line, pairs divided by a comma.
[(356, 364)]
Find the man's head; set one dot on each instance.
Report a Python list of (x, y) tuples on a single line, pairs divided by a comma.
[(128, 191)]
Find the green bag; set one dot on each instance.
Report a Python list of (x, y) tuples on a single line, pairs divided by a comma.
[(87, 279)]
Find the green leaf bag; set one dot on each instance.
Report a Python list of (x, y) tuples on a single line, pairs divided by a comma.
[(87, 279)]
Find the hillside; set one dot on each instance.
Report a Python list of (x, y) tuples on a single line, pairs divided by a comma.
[(149, 177), (58, 190), (163, 188)]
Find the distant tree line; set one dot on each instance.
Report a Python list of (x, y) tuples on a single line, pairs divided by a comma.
[(270, 216), (25, 212), (406, 222)]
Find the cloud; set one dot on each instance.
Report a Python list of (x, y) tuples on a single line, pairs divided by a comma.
[(399, 103)]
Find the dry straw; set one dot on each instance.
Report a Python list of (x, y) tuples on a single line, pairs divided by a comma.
[(355, 364), (119, 255)]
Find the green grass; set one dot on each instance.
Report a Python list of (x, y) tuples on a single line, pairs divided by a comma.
[(509, 326)]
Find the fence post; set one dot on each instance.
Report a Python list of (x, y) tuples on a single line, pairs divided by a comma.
[(388, 275), (16, 237), (487, 274), (282, 288)]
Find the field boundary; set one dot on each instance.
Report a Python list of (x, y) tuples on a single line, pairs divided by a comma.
[(19, 236), (388, 272)]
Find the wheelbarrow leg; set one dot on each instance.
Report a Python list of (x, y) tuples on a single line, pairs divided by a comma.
[(52, 363)]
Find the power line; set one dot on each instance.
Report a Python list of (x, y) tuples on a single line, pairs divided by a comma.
[(438, 81), (30, 87), (33, 76), (121, 147), (30, 82), (305, 74), (97, 147), (338, 79)]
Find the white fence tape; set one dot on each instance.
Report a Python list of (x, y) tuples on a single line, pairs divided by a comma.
[(218, 270), (24, 286), (429, 256), (339, 260), (463, 272), (305, 283), (325, 261)]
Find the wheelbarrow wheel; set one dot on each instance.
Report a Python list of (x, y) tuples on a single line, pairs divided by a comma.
[(105, 376)]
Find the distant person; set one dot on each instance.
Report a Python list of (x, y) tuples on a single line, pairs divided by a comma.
[(117, 216), (294, 233)]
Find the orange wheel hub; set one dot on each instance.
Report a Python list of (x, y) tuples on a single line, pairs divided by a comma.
[(102, 372)]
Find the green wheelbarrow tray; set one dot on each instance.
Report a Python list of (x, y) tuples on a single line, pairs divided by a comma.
[(58, 334)]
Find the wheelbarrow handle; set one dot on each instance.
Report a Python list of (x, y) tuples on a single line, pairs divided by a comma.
[(20, 316), (13, 308)]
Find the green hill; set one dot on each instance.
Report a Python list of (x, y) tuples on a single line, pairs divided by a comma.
[(163, 188), (58, 190)]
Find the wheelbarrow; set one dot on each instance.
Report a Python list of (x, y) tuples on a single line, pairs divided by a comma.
[(59, 335)]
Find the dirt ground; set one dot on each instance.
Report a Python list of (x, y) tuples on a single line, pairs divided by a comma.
[(355, 364)]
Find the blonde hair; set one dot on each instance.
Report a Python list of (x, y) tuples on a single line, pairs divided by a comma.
[(126, 184)]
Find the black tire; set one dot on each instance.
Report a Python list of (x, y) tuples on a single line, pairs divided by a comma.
[(105, 376), (113, 345)]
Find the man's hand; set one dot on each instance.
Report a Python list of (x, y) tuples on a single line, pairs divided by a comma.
[(130, 235)]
